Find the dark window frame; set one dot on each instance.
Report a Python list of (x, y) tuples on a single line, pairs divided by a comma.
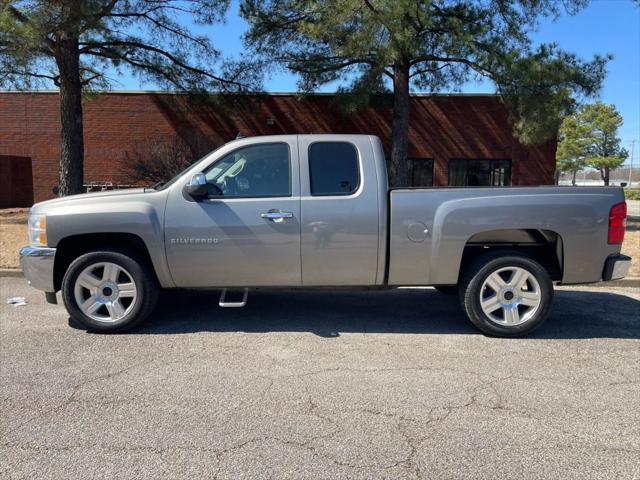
[(310, 170), (223, 197), (492, 162), (412, 161)]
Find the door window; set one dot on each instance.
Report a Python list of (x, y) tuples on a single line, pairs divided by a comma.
[(255, 171), (333, 168)]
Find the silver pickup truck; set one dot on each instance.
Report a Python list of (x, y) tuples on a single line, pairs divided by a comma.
[(315, 211)]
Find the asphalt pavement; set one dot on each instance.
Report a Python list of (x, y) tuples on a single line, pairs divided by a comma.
[(392, 384)]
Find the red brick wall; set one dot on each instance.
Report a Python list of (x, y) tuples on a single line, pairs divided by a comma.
[(30, 127), (442, 127)]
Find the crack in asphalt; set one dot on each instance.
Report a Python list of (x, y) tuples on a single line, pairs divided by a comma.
[(408, 463), (482, 394), (435, 416), (74, 390)]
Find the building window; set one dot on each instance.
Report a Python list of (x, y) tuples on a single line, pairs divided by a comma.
[(421, 172), (333, 168), (465, 172)]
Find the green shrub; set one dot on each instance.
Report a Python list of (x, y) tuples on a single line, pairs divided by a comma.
[(632, 193)]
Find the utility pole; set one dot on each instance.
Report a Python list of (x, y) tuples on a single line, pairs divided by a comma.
[(633, 145)]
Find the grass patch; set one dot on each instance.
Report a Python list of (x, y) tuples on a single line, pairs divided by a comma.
[(13, 235)]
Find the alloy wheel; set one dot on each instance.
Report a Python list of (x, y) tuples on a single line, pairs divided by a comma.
[(105, 292), (510, 296)]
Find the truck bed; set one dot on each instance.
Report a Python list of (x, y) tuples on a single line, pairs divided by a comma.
[(431, 227)]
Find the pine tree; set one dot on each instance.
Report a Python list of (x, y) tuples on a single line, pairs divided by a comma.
[(76, 44), (428, 45)]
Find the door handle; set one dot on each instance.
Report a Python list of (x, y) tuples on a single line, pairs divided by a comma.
[(276, 215)]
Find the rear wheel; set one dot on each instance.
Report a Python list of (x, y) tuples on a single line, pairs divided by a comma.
[(109, 291), (506, 295)]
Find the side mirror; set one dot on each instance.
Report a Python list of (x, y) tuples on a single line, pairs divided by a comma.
[(197, 187)]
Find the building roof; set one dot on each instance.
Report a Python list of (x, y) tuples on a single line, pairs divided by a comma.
[(271, 94)]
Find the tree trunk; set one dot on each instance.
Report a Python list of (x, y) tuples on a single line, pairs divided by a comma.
[(606, 175), (398, 168), (557, 176), (71, 134), (573, 181)]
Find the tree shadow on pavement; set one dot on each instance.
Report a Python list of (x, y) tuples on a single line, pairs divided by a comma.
[(576, 314)]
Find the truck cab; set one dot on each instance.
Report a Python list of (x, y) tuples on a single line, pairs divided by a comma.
[(281, 211)]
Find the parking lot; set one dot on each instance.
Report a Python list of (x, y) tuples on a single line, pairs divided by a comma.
[(393, 384)]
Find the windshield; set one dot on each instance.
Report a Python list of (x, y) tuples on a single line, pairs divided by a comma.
[(164, 185)]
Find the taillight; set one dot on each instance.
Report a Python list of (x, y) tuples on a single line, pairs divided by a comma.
[(617, 222)]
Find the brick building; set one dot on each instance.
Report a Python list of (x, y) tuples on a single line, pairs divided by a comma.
[(453, 139)]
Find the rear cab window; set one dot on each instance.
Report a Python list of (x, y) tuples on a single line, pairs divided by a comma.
[(333, 168)]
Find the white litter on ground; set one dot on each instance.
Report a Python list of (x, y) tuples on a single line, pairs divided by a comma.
[(17, 301)]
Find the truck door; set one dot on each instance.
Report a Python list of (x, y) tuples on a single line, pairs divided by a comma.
[(247, 233), (340, 217)]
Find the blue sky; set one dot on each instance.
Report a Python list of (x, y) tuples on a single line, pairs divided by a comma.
[(605, 26)]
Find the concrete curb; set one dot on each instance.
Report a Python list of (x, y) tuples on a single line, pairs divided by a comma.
[(627, 282), (11, 272)]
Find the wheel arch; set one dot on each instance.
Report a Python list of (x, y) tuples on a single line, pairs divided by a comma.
[(544, 246), (71, 247)]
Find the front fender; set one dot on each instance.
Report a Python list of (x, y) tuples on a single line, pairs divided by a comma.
[(138, 214)]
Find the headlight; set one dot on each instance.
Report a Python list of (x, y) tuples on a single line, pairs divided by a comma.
[(38, 230)]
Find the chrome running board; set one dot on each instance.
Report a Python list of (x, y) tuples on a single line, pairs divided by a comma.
[(224, 304)]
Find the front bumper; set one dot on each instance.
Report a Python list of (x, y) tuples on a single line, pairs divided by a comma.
[(616, 267), (37, 266)]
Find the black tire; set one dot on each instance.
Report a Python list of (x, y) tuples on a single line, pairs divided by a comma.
[(471, 286), (146, 286), (448, 289)]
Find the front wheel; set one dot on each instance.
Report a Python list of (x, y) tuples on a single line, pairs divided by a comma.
[(109, 291), (506, 295)]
